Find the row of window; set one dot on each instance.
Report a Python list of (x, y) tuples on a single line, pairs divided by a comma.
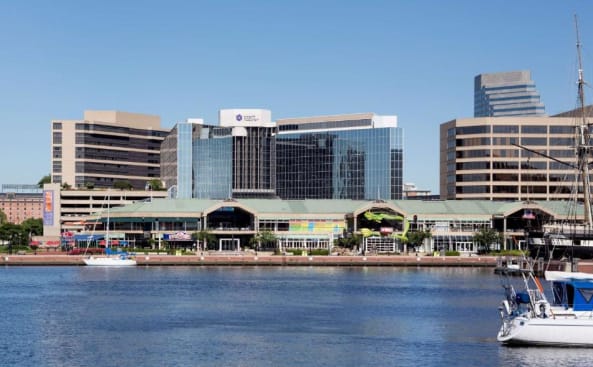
[(511, 129)]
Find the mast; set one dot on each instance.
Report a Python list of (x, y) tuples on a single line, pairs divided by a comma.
[(583, 147)]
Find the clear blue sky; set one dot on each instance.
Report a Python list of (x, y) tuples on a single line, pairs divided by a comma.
[(188, 59)]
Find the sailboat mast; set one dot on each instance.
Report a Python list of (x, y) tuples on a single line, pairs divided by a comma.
[(583, 147)]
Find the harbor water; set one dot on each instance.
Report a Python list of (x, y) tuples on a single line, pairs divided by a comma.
[(258, 316)]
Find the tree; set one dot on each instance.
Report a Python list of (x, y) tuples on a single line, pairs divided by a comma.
[(66, 186), (350, 241), (44, 180), (485, 237), (33, 226), (203, 237), (122, 185), (155, 185), (3, 218), (14, 235), (266, 239), (416, 238)]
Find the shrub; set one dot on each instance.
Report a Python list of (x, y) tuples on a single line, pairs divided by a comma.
[(452, 253)]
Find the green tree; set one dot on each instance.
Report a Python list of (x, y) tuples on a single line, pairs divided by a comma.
[(264, 239), (416, 238), (155, 185), (122, 185), (350, 241), (33, 226), (14, 235), (485, 237), (44, 180), (3, 218), (66, 186), (203, 237)]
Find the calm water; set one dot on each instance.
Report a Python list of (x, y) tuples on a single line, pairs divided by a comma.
[(227, 316)]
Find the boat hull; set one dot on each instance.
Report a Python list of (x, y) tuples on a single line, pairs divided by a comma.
[(576, 332), (109, 261)]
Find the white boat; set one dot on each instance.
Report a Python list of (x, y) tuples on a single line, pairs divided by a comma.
[(111, 258), (566, 319), (529, 318)]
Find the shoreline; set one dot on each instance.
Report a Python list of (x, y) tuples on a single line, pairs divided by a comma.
[(261, 260)]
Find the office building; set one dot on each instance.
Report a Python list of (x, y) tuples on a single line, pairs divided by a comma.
[(106, 147), (479, 161), (506, 94), (357, 156)]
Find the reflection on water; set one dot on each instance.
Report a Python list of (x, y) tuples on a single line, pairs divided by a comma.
[(257, 316)]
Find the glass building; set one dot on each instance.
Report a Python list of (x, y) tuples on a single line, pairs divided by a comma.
[(248, 156), (339, 157), (506, 94)]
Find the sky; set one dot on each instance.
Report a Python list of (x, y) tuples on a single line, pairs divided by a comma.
[(189, 59)]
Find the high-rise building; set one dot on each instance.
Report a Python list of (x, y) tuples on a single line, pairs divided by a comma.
[(106, 147), (506, 94), (478, 158), (356, 156)]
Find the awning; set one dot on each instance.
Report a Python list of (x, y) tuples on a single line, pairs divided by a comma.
[(88, 237)]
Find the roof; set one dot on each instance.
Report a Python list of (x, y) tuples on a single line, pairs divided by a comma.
[(273, 208)]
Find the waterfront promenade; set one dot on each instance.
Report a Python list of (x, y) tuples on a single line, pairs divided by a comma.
[(49, 259)]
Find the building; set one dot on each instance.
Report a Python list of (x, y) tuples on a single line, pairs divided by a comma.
[(357, 156), (412, 192), (506, 94), (478, 158), (234, 159), (106, 147), (177, 158), (75, 211), (315, 224), (21, 202)]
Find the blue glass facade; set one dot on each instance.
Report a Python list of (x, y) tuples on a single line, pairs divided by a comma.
[(506, 94), (362, 164), (336, 157), (213, 168), (184, 160)]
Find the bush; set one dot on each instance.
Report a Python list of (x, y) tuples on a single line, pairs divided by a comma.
[(451, 253)]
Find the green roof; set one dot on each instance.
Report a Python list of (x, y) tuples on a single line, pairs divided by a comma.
[(274, 207)]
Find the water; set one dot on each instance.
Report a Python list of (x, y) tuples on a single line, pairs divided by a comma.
[(257, 316)]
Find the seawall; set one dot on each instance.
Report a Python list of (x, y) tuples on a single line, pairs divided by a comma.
[(266, 260)]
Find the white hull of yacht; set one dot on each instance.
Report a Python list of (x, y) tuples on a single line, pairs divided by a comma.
[(548, 332), (109, 261)]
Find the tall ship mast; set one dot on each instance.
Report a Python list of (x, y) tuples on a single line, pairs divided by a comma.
[(583, 144)]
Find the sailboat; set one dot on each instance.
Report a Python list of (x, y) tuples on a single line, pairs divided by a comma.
[(528, 316), (111, 258), (573, 239)]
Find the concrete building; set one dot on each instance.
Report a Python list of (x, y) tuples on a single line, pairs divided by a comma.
[(506, 94), (106, 147), (21, 202), (478, 158), (75, 211)]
